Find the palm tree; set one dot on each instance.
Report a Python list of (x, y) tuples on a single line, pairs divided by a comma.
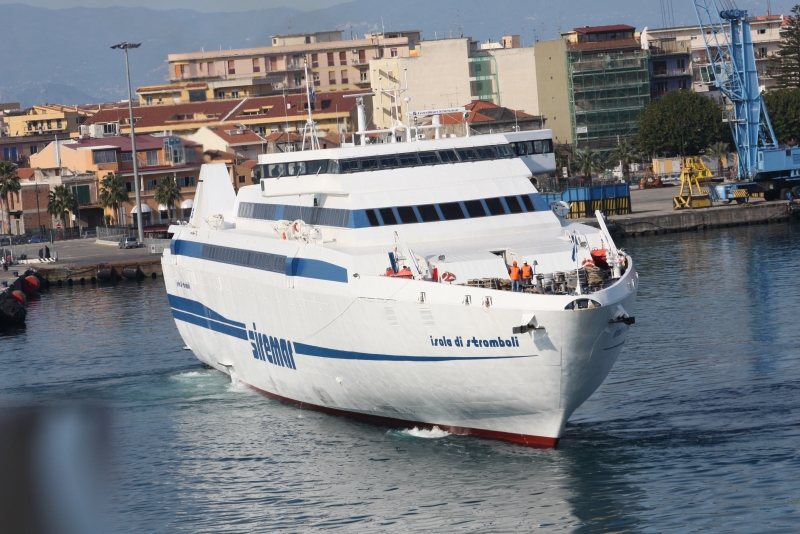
[(718, 150), (112, 193), (59, 201), (9, 183), (625, 153), (167, 192), (589, 161)]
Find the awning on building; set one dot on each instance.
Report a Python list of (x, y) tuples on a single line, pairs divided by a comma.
[(187, 204), (145, 209)]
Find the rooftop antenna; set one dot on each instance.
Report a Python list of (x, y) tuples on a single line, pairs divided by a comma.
[(309, 130)]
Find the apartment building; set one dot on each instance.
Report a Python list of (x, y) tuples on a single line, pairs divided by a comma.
[(333, 113), (765, 31), (45, 119), (157, 157), (606, 79), (452, 72), (334, 64), (28, 206)]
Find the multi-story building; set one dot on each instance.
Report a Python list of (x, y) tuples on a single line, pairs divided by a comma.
[(157, 157), (332, 112), (452, 72), (47, 119), (334, 64), (28, 206), (764, 30), (606, 78), (670, 64)]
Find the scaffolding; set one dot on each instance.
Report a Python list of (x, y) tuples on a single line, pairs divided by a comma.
[(607, 90)]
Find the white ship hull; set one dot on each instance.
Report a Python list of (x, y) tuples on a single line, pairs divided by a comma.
[(307, 287), (389, 358)]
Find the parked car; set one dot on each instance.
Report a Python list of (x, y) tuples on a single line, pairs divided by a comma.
[(5, 240), (90, 234), (128, 242), (37, 239)]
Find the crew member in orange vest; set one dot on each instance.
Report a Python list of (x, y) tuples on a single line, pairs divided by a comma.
[(527, 274), (514, 274)]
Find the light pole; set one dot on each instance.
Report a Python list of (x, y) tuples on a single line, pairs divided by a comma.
[(125, 46)]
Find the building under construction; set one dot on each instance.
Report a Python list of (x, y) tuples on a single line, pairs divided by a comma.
[(608, 83)]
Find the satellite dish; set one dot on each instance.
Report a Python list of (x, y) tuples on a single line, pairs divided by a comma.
[(560, 208)]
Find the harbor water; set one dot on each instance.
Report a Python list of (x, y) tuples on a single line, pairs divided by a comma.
[(697, 428)]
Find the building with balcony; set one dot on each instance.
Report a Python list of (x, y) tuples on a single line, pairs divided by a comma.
[(764, 30), (670, 64), (45, 120), (157, 157), (334, 64)]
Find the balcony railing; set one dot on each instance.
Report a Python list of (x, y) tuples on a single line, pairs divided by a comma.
[(670, 72)]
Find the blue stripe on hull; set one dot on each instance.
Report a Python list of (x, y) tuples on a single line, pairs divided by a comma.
[(222, 328), (321, 352), (195, 308), (193, 312)]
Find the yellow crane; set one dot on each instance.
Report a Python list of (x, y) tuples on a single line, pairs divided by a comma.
[(691, 195)]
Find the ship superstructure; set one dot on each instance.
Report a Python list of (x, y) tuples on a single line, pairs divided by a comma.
[(374, 281)]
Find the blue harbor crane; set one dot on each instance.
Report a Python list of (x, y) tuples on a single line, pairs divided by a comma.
[(764, 166)]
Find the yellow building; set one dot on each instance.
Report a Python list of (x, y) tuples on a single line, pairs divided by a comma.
[(47, 119)]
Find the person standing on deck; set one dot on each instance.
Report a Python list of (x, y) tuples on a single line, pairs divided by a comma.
[(514, 274), (527, 274)]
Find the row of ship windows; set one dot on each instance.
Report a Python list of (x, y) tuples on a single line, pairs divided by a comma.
[(245, 258), (410, 159), (449, 211)]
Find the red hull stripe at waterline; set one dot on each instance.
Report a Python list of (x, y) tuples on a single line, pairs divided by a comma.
[(523, 439)]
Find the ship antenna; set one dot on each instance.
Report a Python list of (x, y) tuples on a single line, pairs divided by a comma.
[(309, 130)]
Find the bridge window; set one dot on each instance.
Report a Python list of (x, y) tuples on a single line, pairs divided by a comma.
[(389, 162), (475, 208), (372, 218), (428, 213), (448, 156), (407, 215), (452, 211), (408, 160), (528, 203), (495, 206), (369, 164), (349, 165), (467, 154), (428, 158), (513, 204), (388, 216)]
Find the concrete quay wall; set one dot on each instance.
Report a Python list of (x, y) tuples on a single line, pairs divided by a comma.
[(71, 272), (683, 220)]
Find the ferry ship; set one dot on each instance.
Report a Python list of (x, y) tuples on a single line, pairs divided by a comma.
[(373, 281)]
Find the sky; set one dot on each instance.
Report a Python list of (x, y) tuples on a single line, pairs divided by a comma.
[(197, 5)]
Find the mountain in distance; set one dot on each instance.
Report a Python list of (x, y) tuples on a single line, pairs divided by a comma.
[(64, 55)]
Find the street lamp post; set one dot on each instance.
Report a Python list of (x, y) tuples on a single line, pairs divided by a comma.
[(126, 46)]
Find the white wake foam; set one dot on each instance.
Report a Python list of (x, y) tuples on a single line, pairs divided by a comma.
[(433, 433)]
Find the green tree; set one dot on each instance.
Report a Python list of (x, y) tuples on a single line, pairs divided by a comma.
[(787, 64), (681, 122), (588, 161), (167, 192), (625, 153), (563, 158), (783, 106), (60, 201), (112, 193), (9, 183)]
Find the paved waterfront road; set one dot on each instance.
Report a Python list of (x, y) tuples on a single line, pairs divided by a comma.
[(84, 251)]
